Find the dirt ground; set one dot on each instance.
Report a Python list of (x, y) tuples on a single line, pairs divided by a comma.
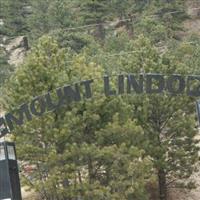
[(28, 195), (180, 194)]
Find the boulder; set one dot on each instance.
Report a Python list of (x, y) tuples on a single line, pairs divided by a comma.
[(16, 50)]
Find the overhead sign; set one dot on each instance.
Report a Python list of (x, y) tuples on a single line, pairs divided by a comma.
[(198, 110), (125, 84)]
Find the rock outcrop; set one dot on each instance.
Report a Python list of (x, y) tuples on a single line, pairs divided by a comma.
[(15, 49)]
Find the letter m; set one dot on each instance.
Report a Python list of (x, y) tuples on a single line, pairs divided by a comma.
[(22, 112)]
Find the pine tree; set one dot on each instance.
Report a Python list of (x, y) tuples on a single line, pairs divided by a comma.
[(5, 68), (48, 16), (168, 121), (89, 149), (13, 14), (95, 12)]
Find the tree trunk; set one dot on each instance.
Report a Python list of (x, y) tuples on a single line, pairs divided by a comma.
[(90, 171), (129, 27), (162, 185), (99, 33)]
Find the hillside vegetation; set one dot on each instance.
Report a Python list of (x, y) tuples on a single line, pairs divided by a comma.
[(125, 147)]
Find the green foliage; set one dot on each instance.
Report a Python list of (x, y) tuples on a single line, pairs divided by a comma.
[(97, 148), (76, 42), (168, 121), (91, 149), (95, 12), (5, 68), (103, 148), (153, 29), (13, 14), (50, 15)]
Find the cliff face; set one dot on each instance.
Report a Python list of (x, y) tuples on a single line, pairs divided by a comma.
[(15, 49)]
